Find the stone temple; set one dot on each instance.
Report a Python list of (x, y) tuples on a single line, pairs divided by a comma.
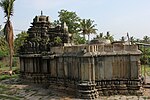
[(88, 70)]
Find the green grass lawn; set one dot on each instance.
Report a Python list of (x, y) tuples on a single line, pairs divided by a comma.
[(3, 77), (7, 68)]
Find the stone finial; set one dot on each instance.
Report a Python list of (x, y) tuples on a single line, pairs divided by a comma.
[(65, 26), (41, 13)]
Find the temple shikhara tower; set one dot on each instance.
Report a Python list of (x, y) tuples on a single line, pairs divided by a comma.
[(87, 70), (42, 36)]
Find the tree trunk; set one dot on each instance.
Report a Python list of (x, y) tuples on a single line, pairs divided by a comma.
[(11, 59), (8, 30), (88, 38), (84, 35)]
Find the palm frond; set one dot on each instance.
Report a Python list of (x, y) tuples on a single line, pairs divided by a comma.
[(8, 7), (87, 26)]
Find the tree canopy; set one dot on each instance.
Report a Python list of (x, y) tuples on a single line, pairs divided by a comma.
[(87, 27), (76, 25), (71, 19), (3, 46), (19, 40)]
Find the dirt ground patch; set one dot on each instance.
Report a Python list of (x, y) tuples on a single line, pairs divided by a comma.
[(15, 89)]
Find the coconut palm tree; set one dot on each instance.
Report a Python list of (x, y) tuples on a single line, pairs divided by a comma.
[(101, 35), (109, 37), (7, 6), (122, 39), (146, 39), (132, 39), (83, 27), (87, 27)]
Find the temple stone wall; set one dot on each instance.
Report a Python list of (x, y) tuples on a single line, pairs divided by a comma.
[(110, 57), (98, 48), (88, 70), (102, 65), (116, 67)]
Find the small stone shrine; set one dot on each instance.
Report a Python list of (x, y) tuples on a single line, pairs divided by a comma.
[(88, 70)]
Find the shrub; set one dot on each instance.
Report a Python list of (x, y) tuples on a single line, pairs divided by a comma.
[(3, 53), (15, 62)]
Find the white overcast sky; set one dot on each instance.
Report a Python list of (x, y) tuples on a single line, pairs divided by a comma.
[(116, 16)]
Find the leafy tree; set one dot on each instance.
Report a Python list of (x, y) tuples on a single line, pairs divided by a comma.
[(19, 41), (78, 39), (3, 46), (146, 54), (74, 25), (71, 19), (57, 40), (73, 22), (7, 6), (87, 27), (56, 23)]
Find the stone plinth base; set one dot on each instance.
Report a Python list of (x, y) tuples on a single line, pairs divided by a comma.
[(119, 87), (35, 78), (87, 90)]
